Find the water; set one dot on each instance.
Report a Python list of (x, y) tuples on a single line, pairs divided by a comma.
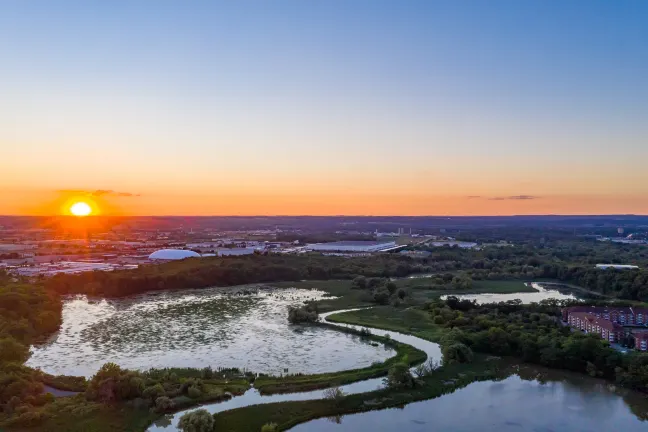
[(199, 328), (252, 396), (526, 297), (520, 404)]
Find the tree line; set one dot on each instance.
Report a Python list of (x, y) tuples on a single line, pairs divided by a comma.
[(534, 334)]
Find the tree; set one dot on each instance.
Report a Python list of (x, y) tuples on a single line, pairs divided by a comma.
[(12, 351), (360, 282), (335, 394), (381, 297), (163, 404), (391, 287), (399, 376), (197, 421), (269, 427), (457, 353)]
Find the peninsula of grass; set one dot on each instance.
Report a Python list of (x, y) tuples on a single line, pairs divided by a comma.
[(442, 381), (412, 321), (299, 383)]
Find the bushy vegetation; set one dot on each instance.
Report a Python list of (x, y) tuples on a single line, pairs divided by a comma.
[(197, 421), (399, 376), (303, 314), (571, 261), (27, 314), (381, 291), (233, 270), (534, 334)]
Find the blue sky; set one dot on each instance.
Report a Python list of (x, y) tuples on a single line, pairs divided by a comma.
[(455, 98)]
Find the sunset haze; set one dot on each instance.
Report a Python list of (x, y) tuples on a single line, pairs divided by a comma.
[(324, 108)]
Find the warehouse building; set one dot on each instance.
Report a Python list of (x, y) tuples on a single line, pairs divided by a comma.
[(352, 246)]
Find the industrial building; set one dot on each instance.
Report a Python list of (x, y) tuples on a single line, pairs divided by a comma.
[(172, 254), (616, 266), (352, 246)]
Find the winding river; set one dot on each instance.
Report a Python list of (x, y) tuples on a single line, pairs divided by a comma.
[(533, 399), (253, 397)]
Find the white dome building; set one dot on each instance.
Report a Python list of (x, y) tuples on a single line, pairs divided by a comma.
[(173, 254)]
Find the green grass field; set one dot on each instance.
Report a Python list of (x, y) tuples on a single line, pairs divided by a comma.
[(412, 321)]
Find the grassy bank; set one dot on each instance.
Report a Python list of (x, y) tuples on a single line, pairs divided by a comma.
[(411, 321), (288, 414), (297, 383)]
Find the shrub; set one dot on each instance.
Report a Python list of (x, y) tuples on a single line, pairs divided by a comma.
[(304, 314), (399, 376), (163, 404), (154, 392), (269, 427), (194, 392), (381, 297), (196, 421), (457, 353), (335, 394)]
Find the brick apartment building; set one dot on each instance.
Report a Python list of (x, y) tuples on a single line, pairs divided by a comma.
[(624, 315), (590, 323), (641, 339), (609, 322)]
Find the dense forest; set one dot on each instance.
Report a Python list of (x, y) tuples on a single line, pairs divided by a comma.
[(568, 261), (534, 334), (227, 271), (28, 313)]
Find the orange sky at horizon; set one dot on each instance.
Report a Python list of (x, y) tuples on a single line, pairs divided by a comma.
[(114, 203)]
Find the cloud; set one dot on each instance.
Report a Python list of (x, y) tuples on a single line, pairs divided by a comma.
[(514, 197), (473, 196), (99, 192), (522, 197)]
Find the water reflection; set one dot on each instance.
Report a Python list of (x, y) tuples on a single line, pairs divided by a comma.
[(544, 292), (253, 397), (564, 402), (197, 328)]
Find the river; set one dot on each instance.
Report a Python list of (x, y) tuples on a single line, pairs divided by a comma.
[(252, 396), (534, 400)]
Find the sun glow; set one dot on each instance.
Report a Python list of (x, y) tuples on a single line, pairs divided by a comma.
[(80, 209)]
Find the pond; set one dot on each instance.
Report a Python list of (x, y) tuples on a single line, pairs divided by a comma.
[(216, 327), (536, 401), (545, 291), (169, 422)]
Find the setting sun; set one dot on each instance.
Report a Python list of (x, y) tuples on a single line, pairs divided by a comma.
[(80, 209)]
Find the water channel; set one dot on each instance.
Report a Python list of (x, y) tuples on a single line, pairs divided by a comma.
[(197, 328), (545, 291), (253, 397), (533, 399)]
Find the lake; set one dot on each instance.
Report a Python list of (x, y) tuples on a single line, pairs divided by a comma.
[(199, 328), (537, 400), (544, 292)]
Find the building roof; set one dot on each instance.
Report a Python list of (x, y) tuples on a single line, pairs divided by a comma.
[(606, 309), (608, 325), (357, 243), (173, 254)]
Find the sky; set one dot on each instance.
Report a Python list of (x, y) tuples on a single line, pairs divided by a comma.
[(324, 107)]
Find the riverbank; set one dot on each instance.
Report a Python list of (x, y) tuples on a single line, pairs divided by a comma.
[(288, 414), (268, 385)]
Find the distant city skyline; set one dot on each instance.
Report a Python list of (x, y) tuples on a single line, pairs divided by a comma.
[(324, 108)]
